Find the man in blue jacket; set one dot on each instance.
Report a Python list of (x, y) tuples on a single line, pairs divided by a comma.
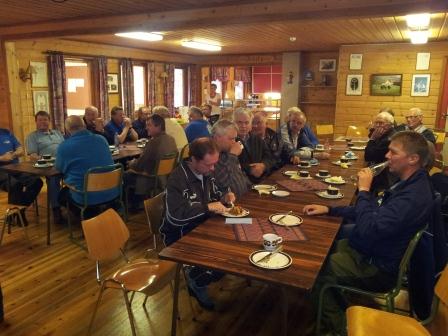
[(370, 257)]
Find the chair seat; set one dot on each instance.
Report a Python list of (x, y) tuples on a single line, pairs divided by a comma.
[(363, 321), (145, 275)]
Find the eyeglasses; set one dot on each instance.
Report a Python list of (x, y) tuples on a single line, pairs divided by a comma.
[(412, 117)]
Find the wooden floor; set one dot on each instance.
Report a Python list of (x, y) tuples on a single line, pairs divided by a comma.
[(51, 290)]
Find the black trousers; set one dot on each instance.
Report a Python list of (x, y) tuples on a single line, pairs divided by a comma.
[(22, 189)]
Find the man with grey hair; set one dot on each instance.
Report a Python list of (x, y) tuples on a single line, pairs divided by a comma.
[(414, 122), (93, 123), (228, 171), (256, 159), (172, 127), (80, 152)]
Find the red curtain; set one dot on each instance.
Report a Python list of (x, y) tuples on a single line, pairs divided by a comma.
[(100, 85), (127, 84), (58, 90), (151, 95), (169, 88), (194, 97)]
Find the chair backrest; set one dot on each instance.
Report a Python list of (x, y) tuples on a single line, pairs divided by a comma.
[(103, 178), (356, 131), (440, 136), (441, 289), (154, 208), (324, 130), (105, 235), (184, 153), (166, 165)]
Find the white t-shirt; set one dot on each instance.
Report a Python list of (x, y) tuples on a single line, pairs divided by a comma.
[(215, 109)]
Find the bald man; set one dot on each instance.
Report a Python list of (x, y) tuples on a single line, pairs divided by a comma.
[(80, 152), (93, 122)]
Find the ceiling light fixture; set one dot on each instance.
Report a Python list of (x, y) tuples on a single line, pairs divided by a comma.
[(201, 45), (419, 36), (142, 36), (418, 25)]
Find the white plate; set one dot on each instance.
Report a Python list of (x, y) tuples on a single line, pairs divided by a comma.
[(338, 163), (45, 165), (297, 177), (115, 152), (277, 261), (291, 172), (352, 157), (314, 162), (288, 220), (320, 176), (319, 149), (244, 214), (360, 148), (329, 180), (324, 194), (268, 187), (143, 145), (281, 193)]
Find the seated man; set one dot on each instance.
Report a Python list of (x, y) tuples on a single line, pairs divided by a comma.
[(207, 111), (139, 124), (299, 141), (228, 171), (93, 123), (192, 196), (414, 122), (23, 188), (383, 227), (378, 146), (45, 141), (80, 152), (119, 129), (198, 126), (172, 127), (272, 139), (157, 147), (256, 160)]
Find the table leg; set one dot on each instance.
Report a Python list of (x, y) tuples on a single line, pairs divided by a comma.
[(284, 311), (175, 300), (47, 181)]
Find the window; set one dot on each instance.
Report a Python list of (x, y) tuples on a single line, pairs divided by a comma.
[(239, 90), (218, 86), (179, 87), (139, 86), (79, 86)]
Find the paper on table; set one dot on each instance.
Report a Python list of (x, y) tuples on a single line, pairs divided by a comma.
[(238, 220)]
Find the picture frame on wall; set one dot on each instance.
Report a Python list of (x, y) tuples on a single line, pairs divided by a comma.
[(354, 85), (355, 61), (327, 65), (39, 74), (385, 84), (112, 83), (420, 85), (41, 101)]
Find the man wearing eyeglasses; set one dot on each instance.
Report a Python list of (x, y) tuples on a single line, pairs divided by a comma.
[(414, 122)]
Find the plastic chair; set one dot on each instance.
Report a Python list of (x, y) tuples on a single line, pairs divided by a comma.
[(356, 132), (388, 297), (184, 153), (106, 236), (95, 180), (363, 321), (440, 136), (11, 211)]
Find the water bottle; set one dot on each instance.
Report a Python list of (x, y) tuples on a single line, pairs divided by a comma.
[(378, 168), (116, 141)]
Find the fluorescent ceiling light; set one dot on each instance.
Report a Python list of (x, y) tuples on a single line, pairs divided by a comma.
[(142, 36), (272, 95), (418, 21), (419, 36), (201, 45)]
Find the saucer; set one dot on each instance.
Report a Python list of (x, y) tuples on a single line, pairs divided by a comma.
[(281, 193), (141, 145), (290, 172), (267, 187), (279, 260), (330, 181), (284, 219), (297, 177), (324, 194), (244, 214), (320, 176), (338, 163), (45, 165), (314, 162), (359, 148), (115, 152), (319, 149), (305, 167)]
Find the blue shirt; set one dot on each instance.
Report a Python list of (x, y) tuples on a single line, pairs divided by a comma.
[(197, 129), (82, 151), (43, 143), (111, 129), (8, 143), (140, 128)]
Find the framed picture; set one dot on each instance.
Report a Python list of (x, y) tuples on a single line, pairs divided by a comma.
[(420, 85), (355, 61), (354, 85), (326, 65), (112, 83), (39, 74), (385, 85), (41, 102)]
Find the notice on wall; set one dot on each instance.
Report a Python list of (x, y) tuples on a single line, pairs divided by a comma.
[(355, 61), (422, 61), (73, 83)]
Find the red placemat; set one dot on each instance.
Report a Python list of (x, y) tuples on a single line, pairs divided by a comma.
[(260, 226), (302, 185)]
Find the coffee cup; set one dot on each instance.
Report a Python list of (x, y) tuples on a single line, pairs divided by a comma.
[(332, 191), (304, 164), (42, 162), (319, 146), (350, 144), (323, 172), (271, 241), (343, 159), (46, 157), (304, 173)]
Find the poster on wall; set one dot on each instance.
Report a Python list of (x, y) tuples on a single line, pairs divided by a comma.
[(112, 83), (354, 85), (420, 85), (355, 61), (385, 85), (422, 61), (41, 101), (327, 65), (39, 74)]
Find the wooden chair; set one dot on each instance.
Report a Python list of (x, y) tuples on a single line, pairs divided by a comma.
[(11, 211), (106, 236), (95, 180), (324, 130), (184, 153), (388, 297), (363, 321), (356, 132), (440, 136)]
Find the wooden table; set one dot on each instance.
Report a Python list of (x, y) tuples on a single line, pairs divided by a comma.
[(128, 151), (213, 245)]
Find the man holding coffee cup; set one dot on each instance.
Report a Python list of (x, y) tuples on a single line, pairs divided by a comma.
[(370, 257), (93, 123)]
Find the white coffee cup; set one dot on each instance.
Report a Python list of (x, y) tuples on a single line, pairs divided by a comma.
[(271, 241)]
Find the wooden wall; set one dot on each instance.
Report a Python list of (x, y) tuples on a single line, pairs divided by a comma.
[(391, 59), (5, 115)]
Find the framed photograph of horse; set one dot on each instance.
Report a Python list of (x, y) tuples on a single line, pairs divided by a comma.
[(385, 85)]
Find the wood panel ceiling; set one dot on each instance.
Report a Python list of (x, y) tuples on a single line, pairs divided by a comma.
[(241, 27)]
